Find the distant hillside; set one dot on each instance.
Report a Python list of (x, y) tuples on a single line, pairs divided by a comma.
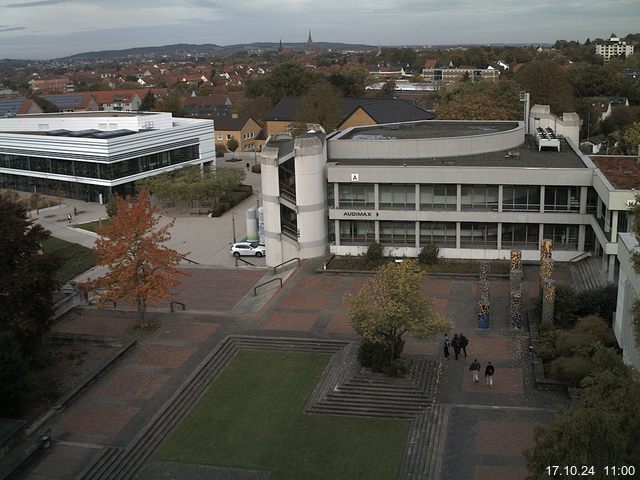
[(207, 49)]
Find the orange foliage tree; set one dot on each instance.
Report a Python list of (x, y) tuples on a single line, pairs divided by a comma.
[(142, 269)]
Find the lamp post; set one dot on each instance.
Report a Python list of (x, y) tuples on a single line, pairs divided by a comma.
[(233, 226)]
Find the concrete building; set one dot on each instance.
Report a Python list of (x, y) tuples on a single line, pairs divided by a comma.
[(90, 155), (613, 47), (628, 293), (476, 189)]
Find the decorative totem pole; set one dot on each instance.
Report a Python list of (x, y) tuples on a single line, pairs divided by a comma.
[(548, 300), (483, 301), (515, 291)]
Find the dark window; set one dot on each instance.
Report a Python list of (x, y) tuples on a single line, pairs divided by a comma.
[(479, 197), (478, 235), (354, 232), (564, 237), (438, 197), (442, 234), (520, 198), (562, 199), (399, 234), (520, 235), (354, 195), (400, 196)]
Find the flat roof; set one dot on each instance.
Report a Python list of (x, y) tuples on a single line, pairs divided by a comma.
[(622, 171), (88, 114), (525, 156), (427, 129)]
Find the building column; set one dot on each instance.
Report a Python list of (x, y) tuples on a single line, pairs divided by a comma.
[(540, 234), (458, 231), (541, 202), (377, 229), (417, 234), (500, 197), (376, 205), (336, 195), (417, 197), (336, 231), (614, 225), (500, 227), (458, 203), (612, 268), (583, 200), (582, 235)]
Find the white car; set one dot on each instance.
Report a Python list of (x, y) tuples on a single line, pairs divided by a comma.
[(248, 248)]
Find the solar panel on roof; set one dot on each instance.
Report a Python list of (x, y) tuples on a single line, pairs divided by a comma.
[(65, 102), (113, 133), (85, 133), (10, 105)]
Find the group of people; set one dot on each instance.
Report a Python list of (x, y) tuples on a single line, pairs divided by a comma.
[(459, 344)]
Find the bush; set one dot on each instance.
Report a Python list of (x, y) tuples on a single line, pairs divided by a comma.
[(599, 301), (221, 149), (570, 343), (375, 251), (429, 254), (595, 326), (379, 357), (565, 308), (256, 169), (397, 368), (546, 345), (571, 369)]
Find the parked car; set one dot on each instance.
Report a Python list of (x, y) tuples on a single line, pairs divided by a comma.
[(248, 248)]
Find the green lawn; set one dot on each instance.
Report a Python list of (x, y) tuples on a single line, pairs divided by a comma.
[(92, 226), (253, 417), (76, 259)]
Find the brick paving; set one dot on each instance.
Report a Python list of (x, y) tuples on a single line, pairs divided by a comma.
[(488, 427)]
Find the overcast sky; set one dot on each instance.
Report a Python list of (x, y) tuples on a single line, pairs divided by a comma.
[(56, 28)]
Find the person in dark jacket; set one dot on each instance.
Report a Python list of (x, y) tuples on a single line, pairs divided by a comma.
[(445, 345), (488, 374), (474, 368), (455, 343), (463, 343)]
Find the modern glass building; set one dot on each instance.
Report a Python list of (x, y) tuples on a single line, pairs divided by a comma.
[(91, 155)]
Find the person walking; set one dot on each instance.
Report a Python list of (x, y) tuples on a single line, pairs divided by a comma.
[(463, 344), (248, 166), (455, 343), (75, 212), (69, 217), (445, 344), (474, 368), (488, 374)]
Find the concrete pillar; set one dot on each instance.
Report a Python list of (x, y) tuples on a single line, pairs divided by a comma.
[(458, 234), (268, 159), (583, 200), (612, 268), (417, 234), (499, 234), (582, 236), (336, 195), (377, 227), (614, 226), (500, 199), (458, 197), (541, 202), (376, 196), (337, 231), (417, 197)]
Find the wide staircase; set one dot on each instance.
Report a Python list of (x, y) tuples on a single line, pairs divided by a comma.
[(587, 274)]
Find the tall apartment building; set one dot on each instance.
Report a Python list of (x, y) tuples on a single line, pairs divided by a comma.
[(613, 47)]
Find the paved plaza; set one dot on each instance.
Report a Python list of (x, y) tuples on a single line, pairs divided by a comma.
[(488, 427)]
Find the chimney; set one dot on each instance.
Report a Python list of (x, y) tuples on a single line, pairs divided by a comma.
[(234, 115)]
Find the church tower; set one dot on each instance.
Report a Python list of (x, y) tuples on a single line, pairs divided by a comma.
[(309, 41)]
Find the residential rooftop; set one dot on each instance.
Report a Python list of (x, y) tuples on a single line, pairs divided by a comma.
[(623, 172)]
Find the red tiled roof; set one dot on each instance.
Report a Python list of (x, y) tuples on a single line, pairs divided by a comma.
[(622, 171)]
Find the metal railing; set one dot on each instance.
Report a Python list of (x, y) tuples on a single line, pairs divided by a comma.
[(176, 303), (189, 260), (255, 289), (275, 269), (243, 261)]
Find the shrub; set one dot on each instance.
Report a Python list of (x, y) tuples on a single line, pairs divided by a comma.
[(599, 301), (571, 369), (221, 149), (571, 343), (375, 251), (595, 326), (397, 368), (256, 169), (566, 305), (429, 254), (546, 345), (379, 357)]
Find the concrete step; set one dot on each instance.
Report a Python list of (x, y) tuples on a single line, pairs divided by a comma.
[(437, 441), (353, 411)]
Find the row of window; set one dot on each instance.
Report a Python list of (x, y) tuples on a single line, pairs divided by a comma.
[(472, 235), (106, 171), (473, 197)]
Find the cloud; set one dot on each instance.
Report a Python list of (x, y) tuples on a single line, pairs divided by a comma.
[(39, 3), (7, 28)]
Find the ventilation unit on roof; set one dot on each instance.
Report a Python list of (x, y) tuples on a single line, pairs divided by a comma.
[(546, 137)]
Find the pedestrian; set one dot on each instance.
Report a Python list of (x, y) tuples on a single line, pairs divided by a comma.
[(463, 344), (69, 217), (248, 166), (445, 344), (75, 212), (488, 374), (474, 368), (455, 343)]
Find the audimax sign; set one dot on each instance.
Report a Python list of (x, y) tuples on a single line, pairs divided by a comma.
[(356, 213)]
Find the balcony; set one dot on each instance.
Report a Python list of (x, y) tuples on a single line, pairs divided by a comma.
[(288, 192), (289, 229)]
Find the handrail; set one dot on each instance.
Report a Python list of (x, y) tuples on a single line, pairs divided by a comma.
[(255, 289), (579, 257), (243, 260), (284, 263), (189, 260), (177, 303)]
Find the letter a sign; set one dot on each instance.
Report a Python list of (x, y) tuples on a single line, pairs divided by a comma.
[(354, 177)]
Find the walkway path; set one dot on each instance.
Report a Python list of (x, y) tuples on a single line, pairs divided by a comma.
[(483, 431)]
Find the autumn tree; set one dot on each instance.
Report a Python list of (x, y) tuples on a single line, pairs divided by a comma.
[(392, 304), (141, 269), (482, 100), (172, 104), (631, 138), (322, 104), (601, 429), (232, 144), (548, 84), (148, 102)]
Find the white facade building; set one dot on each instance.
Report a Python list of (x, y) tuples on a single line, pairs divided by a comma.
[(613, 47), (89, 155)]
